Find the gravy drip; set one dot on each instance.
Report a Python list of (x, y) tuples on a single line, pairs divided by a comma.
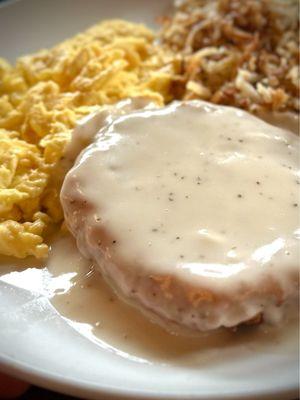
[(82, 297), (204, 194)]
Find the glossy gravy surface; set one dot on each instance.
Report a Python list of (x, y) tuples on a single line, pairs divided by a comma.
[(82, 297), (199, 191), (115, 325)]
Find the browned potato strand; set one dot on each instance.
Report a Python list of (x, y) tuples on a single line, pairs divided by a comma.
[(243, 53), (237, 52)]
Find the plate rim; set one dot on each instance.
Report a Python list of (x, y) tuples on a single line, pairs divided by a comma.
[(71, 386), (78, 388)]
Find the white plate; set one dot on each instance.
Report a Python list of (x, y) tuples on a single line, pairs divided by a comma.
[(38, 345)]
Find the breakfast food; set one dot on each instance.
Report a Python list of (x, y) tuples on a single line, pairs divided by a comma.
[(190, 212), (180, 205), (240, 53), (243, 53), (41, 100)]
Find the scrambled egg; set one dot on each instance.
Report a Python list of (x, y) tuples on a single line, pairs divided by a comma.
[(43, 96)]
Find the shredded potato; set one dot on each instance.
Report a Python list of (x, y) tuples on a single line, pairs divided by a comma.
[(243, 53), (240, 53), (43, 96)]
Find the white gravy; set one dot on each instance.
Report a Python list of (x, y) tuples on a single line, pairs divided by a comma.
[(196, 191), (81, 296)]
